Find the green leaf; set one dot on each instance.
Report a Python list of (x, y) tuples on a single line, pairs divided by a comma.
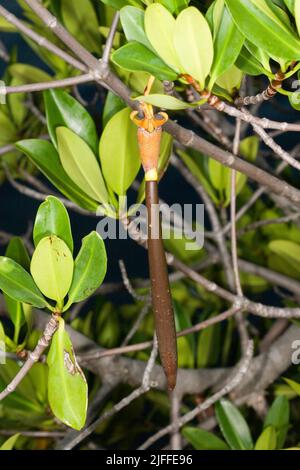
[(81, 20), (279, 416), (258, 22), (132, 20), (288, 251), (230, 80), (28, 74), (297, 15), (18, 284), (80, 164), (233, 426), (164, 101), (136, 57), (294, 385), (209, 346), (174, 6), (160, 27), (45, 157), (228, 42), (267, 440), (16, 250), (10, 442), (220, 177), (119, 153), (118, 4), (193, 44), (52, 219), (203, 440), (250, 65), (67, 387), (6, 27), (89, 268), (52, 268), (186, 345), (63, 110), (113, 104)]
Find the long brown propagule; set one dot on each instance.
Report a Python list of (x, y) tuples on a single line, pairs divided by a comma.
[(149, 138)]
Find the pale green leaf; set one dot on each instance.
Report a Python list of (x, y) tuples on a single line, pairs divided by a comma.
[(119, 153), (80, 164), (52, 267), (267, 440), (160, 26), (193, 44), (164, 101), (52, 219), (67, 387), (89, 268)]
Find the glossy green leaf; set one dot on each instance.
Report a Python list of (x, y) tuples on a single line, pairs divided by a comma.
[(9, 444), (164, 101), (249, 64), (81, 20), (52, 268), (228, 42), (89, 268), (52, 219), (18, 284), (258, 22), (113, 104), (63, 110), (80, 164), (132, 20), (136, 57), (267, 440), (119, 153), (193, 44), (160, 28), (46, 158), (233, 426), (203, 440), (17, 251), (67, 387), (279, 416)]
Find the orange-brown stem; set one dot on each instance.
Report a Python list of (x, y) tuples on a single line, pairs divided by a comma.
[(160, 288)]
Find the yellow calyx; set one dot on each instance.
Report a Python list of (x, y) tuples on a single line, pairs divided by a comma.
[(151, 175)]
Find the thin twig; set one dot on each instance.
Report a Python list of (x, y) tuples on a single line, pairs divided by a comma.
[(147, 344), (33, 87), (33, 357), (110, 38), (231, 384), (40, 40), (241, 323)]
